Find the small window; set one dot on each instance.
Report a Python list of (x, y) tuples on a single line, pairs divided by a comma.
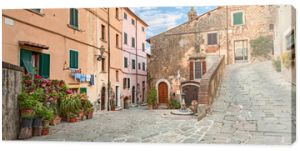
[(197, 70), (128, 83), (117, 40), (73, 59), (132, 22), (103, 65), (125, 38), (117, 75), (144, 66), (125, 16), (117, 13), (212, 38), (132, 42), (102, 32), (133, 64), (74, 17), (238, 18), (143, 29), (139, 66), (125, 62), (143, 47)]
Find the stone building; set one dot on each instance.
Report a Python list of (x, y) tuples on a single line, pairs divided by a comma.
[(225, 30)]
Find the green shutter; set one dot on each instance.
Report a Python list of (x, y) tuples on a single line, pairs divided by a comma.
[(26, 60), (83, 90), (76, 17), (71, 16), (73, 59), (238, 18), (44, 69)]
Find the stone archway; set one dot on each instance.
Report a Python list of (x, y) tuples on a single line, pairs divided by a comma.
[(190, 89), (163, 89)]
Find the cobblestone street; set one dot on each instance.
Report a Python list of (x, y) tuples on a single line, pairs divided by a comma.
[(253, 106)]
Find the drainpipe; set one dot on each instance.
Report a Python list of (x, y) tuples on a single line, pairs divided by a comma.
[(227, 36), (136, 63), (108, 62)]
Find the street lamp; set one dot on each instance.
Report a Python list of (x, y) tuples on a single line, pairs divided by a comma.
[(100, 57)]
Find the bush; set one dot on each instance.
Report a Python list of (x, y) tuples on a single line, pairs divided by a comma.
[(276, 64), (262, 46), (151, 97), (174, 104), (70, 104)]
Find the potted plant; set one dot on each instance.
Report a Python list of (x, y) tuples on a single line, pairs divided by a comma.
[(26, 105), (70, 106), (151, 98), (47, 115), (89, 114), (37, 121), (72, 117)]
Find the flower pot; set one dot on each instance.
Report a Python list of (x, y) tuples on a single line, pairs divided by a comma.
[(45, 131), (37, 122), (72, 119), (26, 113), (46, 123), (89, 115), (26, 123)]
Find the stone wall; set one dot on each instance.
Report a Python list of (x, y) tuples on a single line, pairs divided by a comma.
[(11, 87)]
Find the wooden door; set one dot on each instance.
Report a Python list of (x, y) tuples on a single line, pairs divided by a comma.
[(163, 92), (103, 98)]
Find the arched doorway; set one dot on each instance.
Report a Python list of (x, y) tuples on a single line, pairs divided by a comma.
[(191, 93), (133, 94), (103, 98), (163, 93)]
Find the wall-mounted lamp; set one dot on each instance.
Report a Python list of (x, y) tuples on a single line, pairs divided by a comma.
[(100, 57)]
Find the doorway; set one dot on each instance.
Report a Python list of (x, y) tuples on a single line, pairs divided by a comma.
[(241, 50), (133, 94), (163, 93), (191, 93), (103, 98)]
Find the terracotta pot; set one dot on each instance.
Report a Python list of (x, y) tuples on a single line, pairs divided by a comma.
[(45, 131), (26, 113), (89, 115), (73, 119), (80, 115)]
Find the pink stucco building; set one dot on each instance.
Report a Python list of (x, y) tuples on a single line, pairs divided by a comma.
[(134, 58)]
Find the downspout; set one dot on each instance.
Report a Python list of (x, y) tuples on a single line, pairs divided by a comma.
[(108, 62), (136, 63), (227, 58)]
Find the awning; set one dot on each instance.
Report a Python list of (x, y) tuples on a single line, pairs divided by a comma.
[(32, 44)]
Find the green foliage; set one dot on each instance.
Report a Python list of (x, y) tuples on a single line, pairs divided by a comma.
[(151, 97), (276, 64), (286, 57), (26, 101), (47, 113), (262, 46), (39, 95), (174, 104), (70, 104), (86, 105)]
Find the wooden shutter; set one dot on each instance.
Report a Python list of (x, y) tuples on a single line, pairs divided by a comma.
[(26, 60), (203, 67), (124, 83), (83, 90), (44, 68), (76, 17), (73, 59), (128, 83), (71, 16), (191, 70), (238, 18)]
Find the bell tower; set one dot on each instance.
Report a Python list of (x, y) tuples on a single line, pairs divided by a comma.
[(192, 14)]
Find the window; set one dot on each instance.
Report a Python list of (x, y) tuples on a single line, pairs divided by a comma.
[(73, 59), (133, 64), (132, 22), (125, 16), (74, 17), (212, 38), (238, 18), (117, 40), (143, 29), (125, 62), (102, 32), (35, 61), (103, 65), (83, 90), (125, 38), (144, 66), (117, 75), (139, 66), (132, 42), (197, 70), (143, 47), (126, 83), (117, 13)]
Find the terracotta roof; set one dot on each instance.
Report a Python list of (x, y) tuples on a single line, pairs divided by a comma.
[(32, 44)]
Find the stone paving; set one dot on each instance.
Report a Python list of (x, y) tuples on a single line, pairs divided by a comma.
[(253, 106)]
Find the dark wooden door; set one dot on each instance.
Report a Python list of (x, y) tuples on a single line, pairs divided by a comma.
[(163, 92), (133, 94), (103, 98), (191, 93)]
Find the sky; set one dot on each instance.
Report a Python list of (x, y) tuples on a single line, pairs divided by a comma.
[(161, 19)]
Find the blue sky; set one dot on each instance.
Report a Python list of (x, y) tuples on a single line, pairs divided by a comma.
[(161, 19)]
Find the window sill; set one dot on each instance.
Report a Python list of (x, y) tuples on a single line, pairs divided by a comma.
[(75, 28), (38, 13)]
